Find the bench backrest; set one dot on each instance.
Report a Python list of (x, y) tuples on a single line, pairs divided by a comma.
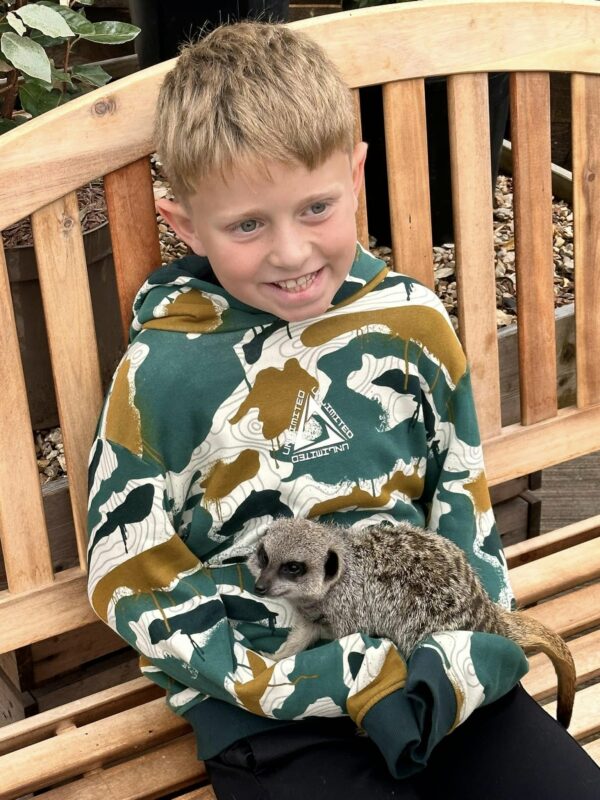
[(109, 133)]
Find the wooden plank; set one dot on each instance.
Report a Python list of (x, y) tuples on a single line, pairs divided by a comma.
[(408, 178), (532, 192), (93, 134), (8, 664), (512, 519), (65, 291), (60, 654), (540, 681), (585, 98), (521, 450), (80, 713), (473, 228), (362, 223), (556, 573), (113, 670), (566, 492), (593, 750), (166, 769), (552, 542), (565, 364), (206, 793), (22, 525), (78, 750), (11, 702), (572, 613), (133, 230), (56, 608), (508, 490), (586, 713)]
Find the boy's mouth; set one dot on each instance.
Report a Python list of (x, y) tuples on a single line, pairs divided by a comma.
[(297, 284)]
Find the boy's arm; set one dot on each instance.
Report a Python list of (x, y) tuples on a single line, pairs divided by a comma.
[(148, 585)]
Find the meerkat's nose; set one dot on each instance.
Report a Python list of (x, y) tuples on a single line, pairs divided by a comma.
[(260, 590)]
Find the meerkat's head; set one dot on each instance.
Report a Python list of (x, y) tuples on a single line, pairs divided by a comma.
[(298, 559)]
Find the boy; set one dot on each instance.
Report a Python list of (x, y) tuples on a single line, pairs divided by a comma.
[(282, 370)]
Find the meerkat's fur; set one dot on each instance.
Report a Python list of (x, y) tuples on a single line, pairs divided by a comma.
[(401, 583)]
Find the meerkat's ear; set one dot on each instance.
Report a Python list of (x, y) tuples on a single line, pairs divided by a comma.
[(332, 565)]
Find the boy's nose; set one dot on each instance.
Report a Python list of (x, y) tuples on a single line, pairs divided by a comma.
[(289, 249)]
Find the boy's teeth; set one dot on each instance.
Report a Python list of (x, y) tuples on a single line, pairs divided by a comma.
[(297, 283)]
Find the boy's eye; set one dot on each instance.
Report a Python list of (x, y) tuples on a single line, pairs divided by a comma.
[(318, 208), (248, 226)]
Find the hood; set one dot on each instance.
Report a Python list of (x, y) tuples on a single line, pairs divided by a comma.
[(185, 296)]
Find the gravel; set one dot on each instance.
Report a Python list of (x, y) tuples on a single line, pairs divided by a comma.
[(49, 446)]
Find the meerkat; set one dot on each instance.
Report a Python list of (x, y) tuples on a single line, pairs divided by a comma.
[(402, 583)]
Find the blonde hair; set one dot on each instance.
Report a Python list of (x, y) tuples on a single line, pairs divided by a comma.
[(250, 91)]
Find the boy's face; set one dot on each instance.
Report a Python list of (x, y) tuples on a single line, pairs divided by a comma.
[(282, 239)]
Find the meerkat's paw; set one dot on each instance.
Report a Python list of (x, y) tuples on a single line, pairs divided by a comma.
[(287, 649)]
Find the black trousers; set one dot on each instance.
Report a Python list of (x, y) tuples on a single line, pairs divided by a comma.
[(509, 750)]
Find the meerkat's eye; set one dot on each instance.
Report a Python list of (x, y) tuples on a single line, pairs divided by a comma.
[(292, 569), (263, 558)]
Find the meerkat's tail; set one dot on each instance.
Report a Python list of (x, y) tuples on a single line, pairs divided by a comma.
[(532, 636)]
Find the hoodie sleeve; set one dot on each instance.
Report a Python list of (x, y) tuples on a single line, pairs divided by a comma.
[(182, 617), (451, 674)]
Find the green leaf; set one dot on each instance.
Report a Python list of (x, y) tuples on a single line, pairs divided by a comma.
[(45, 19), (15, 23), (37, 100), (86, 2), (26, 55), (60, 77), (45, 41), (112, 33), (74, 19), (8, 125), (91, 74)]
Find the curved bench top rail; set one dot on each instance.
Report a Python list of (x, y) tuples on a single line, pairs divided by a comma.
[(433, 37)]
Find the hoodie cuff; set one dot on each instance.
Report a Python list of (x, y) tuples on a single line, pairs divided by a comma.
[(442, 688)]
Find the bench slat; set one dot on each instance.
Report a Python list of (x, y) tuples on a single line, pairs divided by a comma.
[(551, 542), (133, 231), (164, 770), (65, 290), (468, 119), (94, 134), (540, 681), (78, 712), (556, 573), (585, 91), (586, 713), (82, 749), (570, 614), (25, 547), (362, 223), (408, 178), (206, 793), (62, 606), (593, 750), (532, 187), (520, 450)]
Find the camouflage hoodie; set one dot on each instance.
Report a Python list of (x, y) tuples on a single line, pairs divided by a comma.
[(221, 417)]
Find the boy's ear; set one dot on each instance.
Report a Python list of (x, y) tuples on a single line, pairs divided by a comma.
[(359, 156), (180, 220)]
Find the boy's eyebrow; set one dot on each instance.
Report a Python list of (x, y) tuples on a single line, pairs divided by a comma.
[(256, 211)]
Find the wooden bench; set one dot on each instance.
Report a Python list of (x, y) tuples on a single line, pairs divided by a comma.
[(123, 742)]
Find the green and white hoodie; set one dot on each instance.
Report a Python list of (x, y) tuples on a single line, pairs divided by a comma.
[(220, 418)]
